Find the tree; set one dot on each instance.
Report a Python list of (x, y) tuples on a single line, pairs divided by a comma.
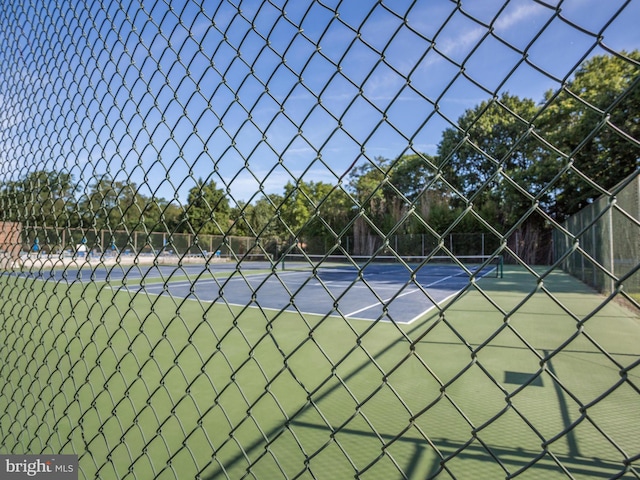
[(160, 215), (314, 214), (101, 206), (489, 159), (207, 210), (591, 121), (367, 187), (331, 212), (492, 141), (265, 218), (42, 198), (396, 196), (261, 218), (494, 157), (117, 205), (413, 184)]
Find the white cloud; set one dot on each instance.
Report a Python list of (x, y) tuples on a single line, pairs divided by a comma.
[(523, 12), (458, 43)]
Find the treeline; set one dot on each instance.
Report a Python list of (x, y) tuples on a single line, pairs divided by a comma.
[(508, 167)]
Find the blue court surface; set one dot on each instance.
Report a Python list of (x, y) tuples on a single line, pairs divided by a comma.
[(396, 293)]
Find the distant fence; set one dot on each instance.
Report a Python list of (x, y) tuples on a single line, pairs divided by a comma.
[(605, 239), (66, 241)]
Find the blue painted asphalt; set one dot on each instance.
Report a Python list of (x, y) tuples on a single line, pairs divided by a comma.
[(390, 293), (309, 294)]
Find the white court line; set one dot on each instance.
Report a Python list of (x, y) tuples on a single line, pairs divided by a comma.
[(350, 315), (374, 305), (420, 315), (380, 303), (186, 283)]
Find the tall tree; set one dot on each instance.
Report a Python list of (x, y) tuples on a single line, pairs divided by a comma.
[(116, 205), (492, 142), (367, 186), (393, 196), (593, 121), (42, 198), (489, 160), (314, 213), (207, 210), (101, 205), (261, 218)]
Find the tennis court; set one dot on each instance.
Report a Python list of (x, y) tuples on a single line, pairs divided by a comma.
[(365, 288), (534, 393), (264, 240)]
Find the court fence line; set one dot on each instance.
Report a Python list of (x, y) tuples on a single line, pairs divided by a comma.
[(607, 230), (65, 242), (158, 160)]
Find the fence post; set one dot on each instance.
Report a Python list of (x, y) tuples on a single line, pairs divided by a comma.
[(594, 248), (610, 239)]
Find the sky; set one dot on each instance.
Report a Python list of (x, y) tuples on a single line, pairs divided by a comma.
[(253, 94)]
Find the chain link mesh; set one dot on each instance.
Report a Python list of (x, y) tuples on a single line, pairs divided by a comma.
[(607, 231), (220, 223)]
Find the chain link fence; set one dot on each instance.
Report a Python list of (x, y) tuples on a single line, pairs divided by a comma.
[(53, 243), (608, 235), (254, 239)]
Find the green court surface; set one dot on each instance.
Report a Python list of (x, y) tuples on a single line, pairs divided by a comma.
[(509, 377)]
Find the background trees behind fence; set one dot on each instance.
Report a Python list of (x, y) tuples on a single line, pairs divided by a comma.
[(492, 169)]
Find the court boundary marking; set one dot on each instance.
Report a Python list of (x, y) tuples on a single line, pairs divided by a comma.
[(229, 277), (346, 316)]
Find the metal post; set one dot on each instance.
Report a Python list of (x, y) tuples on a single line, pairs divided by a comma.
[(611, 252)]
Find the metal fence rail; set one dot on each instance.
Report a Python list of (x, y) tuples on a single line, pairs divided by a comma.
[(162, 161)]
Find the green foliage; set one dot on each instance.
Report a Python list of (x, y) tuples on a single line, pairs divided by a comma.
[(207, 210), (261, 218), (314, 211), (493, 139), (505, 141), (116, 205), (502, 157), (591, 121), (395, 194), (41, 198)]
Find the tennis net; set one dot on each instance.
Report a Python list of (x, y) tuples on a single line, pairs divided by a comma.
[(437, 265)]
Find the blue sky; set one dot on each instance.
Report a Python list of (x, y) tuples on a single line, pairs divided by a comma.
[(162, 97)]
